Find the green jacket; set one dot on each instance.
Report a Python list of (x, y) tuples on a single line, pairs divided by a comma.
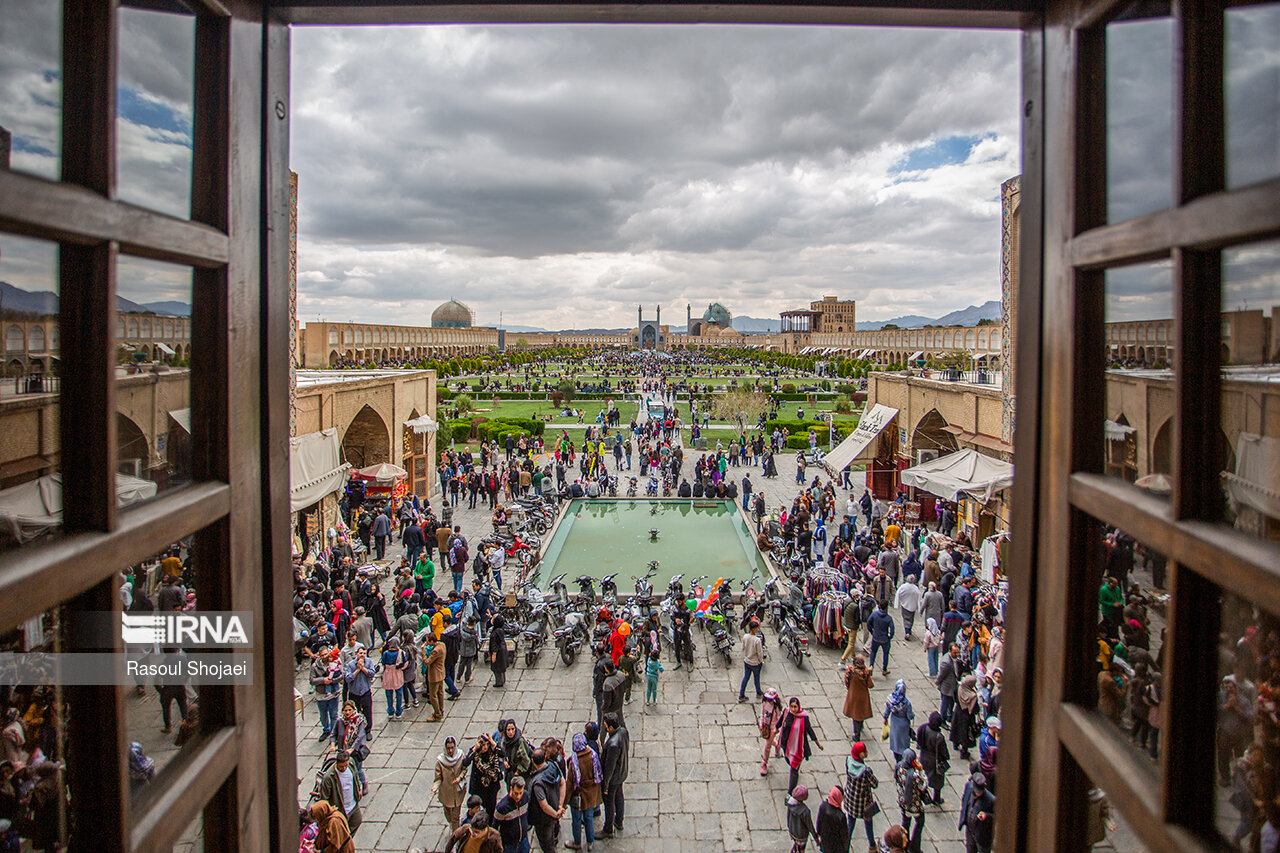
[(1110, 598), (425, 570)]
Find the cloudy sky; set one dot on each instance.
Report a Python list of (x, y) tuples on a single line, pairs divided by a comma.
[(558, 176)]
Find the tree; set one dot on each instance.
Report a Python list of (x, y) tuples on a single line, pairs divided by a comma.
[(464, 403), (522, 342), (740, 406), (988, 321), (890, 327), (557, 398), (566, 390)]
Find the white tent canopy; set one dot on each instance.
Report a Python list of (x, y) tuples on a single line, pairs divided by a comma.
[(383, 471), (1256, 481), (34, 508), (966, 471), (316, 468), (422, 423), (917, 355), (856, 443), (1116, 432), (182, 417), (165, 348)]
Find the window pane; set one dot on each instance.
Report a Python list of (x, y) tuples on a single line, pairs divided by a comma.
[(30, 389), (31, 87), (153, 375), (154, 110), (1250, 433), (1253, 93), (1139, 116), (1247, 734), (1130, 631), (1138, 432), (1106, 829)]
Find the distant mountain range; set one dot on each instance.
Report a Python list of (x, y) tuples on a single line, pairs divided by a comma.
[(964, 317), (46, 302)]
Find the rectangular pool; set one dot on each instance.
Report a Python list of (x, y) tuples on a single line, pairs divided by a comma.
[(601, 537)]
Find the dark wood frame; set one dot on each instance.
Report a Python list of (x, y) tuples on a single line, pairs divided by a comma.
[(241, 771)]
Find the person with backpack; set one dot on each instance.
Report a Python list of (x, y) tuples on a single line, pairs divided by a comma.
[(913, 788)]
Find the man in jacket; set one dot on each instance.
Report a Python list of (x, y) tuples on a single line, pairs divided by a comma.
[(851, 621), (602, 670), (933, 605), (881, 625), (948, 681), (511, 814), (414, 540), (451, 639), (908, 599), (340, 787), (614, 691), (545, 807), (433, 664), (475, 835), (381, 530), (613, 760), (977, 815), (326, 678)]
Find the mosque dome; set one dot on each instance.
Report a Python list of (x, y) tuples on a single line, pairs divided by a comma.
[(452, 315), (717, 314)]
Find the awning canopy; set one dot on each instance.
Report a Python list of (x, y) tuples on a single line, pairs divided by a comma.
[(316, 468), (916, 356), (965, 471), (1254, 483), (165, 348), (35, 508), (182, 417), (867, 353), (422, 423), (1116, 432), (384, 472), (988, 441), (856, 443)]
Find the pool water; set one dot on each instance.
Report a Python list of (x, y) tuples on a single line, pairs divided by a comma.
[(601, 537)]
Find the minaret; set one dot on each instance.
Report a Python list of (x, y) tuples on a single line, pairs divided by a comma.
[(639, 316), (658, 323), (688, 319)]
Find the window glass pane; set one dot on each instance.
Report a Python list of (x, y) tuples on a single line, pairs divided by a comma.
[(192, 840), (1138, 431), (1253, 93), (1130, 631), (1248, 731), (154, 110), (153, 375), (30, 389), (31, 87), (1139, 115), (1250, 434), (1106, 829)]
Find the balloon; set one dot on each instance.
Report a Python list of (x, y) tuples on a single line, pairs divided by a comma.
[(691, 604), (624, 629)]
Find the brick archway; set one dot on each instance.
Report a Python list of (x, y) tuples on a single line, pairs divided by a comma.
[(366, 440)]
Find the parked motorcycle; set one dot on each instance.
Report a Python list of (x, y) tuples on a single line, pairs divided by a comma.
[(721, 642), (571, 636), (793, 640), (631, 487), (534, 635)]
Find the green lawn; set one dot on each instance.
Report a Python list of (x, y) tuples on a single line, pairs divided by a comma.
[(536, 408)]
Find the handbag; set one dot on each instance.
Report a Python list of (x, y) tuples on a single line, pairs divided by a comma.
[(871, 809), (362, 753), (884, 732)]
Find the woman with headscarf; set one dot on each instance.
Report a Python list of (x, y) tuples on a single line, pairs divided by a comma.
[(516, 752), (987, 767), (585, 776), (341, 619), (898, 716), (934, 757), (770, 725), (498, 651), (350, 734), (913, 788), (860, 783), (857, 694), (449, 785), (333, 835), (932, 645), (967, 713), (393, 665), (486, 771), (794, 732), (833, 832), (799, 819), (895, 840)]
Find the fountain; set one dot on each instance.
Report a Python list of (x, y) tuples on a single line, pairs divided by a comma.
[(653, 534)]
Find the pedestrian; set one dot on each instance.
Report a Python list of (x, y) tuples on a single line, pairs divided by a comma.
[(498, 651), (333, 833), (326, 678), (770, 726), (614, 760), (613, 691), (511, 814), (948, 681), (350, 734), (850, 622), (340, 787), (881, 625), (545, 807), (857, 694), (895, 840), (752, 660), (468, 650), (860, 783), (651, 669), (799, 819), (359, 676), (584, 790), (433, 671), (908, 599), (832, 829), (964, 722), (977, 815), (449, 784), (476, 835), (932, 645), (913, 788), (411, 655), (486, 771), (898, 716), (393, 664), (794, 733), (934, 756)]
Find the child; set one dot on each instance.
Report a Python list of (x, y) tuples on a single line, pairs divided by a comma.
[(651, 670), (799, 819), (770, 720)]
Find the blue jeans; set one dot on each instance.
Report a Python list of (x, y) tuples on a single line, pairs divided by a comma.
[(948, 707), (398, 695), (748, 671), (850, 820), (449, 684), (746, 499), (582, 819), (875, 647), (457, 582), (328, 712), (521, 846), (933, 661), (413, 552)]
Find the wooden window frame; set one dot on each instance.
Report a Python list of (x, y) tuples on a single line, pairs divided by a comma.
[(241, 772)]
